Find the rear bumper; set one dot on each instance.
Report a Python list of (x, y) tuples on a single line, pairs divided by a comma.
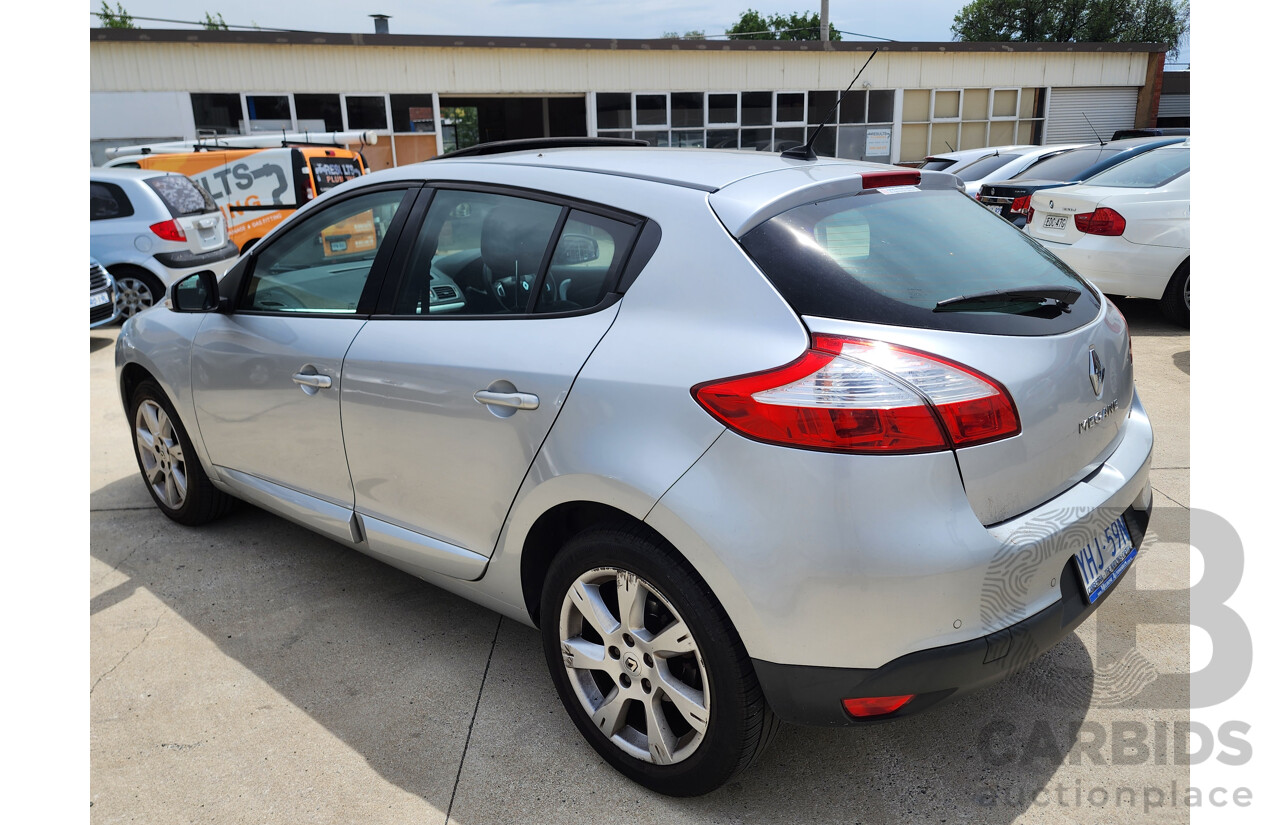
[(187, 259), (1119, 267), (813, 695)]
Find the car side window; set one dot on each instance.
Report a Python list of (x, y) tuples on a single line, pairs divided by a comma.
[(107, 201), (589, 254), (477, 253), (321, 264)]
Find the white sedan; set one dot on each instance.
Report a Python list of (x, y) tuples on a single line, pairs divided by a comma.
[(1128, 229)]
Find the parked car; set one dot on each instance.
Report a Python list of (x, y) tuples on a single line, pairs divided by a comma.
[(1003, 165), (104, 302), (1151, 131), (1128, 229), (718, 424), (951, 161), (150, 228), (1010, 198)]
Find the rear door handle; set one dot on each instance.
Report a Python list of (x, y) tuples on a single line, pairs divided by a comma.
[(514, 400), (319, 382)]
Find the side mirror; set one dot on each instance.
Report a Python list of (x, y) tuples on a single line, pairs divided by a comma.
[(197, 292), (576, 249)]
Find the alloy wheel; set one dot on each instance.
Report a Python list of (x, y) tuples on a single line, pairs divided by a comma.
[(161, 455), (635, 666), (135, 296)]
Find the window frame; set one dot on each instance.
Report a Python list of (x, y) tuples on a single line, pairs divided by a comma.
[(244, 110), (622, 277), (386, 111), (411, 196)]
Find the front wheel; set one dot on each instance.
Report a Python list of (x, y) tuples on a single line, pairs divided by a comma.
[(648, 666), (169, 465), (138, 290)]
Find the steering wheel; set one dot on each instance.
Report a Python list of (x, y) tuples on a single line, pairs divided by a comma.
[(511, 293)]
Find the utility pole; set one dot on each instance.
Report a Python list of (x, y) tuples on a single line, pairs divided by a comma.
[(823, 19)]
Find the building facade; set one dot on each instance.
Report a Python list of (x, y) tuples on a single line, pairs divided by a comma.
[(433, 93)]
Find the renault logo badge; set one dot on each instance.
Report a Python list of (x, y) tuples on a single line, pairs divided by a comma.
[(1097, 374)]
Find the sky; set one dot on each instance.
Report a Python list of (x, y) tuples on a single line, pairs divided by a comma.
[(918, 20)]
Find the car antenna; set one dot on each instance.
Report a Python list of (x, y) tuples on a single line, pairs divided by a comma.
[(1101, 142), (806, 152), (950, 148)]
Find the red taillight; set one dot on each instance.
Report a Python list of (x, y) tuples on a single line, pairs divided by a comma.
[(1031, 213), (1021, 205), (877, 180), (1104, 221), (858, 396), (876, 705), (169, 230)]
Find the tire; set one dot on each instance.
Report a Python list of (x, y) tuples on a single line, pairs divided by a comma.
[(621, 673), (138, 290), (1176, 303), (169, 465)]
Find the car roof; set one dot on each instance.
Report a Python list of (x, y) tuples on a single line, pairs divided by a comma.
[(705, 169), (118, 173)]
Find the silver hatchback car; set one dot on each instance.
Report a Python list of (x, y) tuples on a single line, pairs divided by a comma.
[(749, 438)]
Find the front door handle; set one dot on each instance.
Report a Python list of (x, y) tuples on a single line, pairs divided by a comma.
[(312, 381), (514, 400)]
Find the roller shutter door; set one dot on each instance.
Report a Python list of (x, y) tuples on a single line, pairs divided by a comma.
[(1109, 108), (1174, 106)]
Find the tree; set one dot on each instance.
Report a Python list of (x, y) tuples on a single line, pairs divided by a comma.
[(118, 19), (214, 25), (695, 34), (1083, 21), (752, 25)]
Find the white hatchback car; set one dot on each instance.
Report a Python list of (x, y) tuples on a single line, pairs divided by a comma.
[(152, 228), (1128, 229)]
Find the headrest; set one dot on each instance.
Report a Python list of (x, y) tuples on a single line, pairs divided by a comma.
[(513, 239)]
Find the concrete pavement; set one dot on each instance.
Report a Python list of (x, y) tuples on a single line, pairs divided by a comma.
[(252, 671)]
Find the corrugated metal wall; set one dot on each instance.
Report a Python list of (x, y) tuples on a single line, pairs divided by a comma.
[(216, 67), (1108, 109)]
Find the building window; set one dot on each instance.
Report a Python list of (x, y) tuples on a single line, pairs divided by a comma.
[(267, 113), (413, 114), (944, 120), (318, 113), (366, 111), (218, 114)]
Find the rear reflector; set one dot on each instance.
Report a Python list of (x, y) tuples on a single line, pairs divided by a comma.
[(876, 705), (169, 230), (1104, 221), (859, 396)]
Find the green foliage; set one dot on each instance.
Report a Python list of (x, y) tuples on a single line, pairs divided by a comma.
[(752, 25), (695, 34), (1082, 21), (214, 25), (118, 19), (462, 126)]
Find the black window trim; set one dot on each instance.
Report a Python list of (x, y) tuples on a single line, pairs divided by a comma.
[(412, 190), (622, 278)]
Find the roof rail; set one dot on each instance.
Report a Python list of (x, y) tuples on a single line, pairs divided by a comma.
[(498, 147)]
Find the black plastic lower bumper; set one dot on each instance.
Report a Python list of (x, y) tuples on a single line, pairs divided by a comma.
[(187, 259), (814, 695)]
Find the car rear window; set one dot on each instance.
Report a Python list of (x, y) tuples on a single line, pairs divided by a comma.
[(1146, 171), (181, 195), (981, 168), (889, 258), (329, 172), (937, 164), (1067, 165)]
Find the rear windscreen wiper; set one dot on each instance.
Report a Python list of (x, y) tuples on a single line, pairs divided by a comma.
[(1048, 297)]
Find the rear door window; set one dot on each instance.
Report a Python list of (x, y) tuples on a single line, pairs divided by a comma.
[(181, 195), (1149, 170), (891, 258)]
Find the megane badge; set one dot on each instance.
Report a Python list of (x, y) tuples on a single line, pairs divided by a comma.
[(1097, 374)]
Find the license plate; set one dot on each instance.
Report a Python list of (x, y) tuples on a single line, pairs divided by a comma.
[(995, 209), (99, 299), (337, 246), (1105, 558), (1055, 221)]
